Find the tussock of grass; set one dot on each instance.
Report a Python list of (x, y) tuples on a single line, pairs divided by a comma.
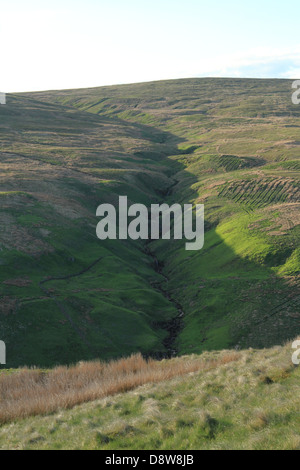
[(220, 400), (30, 392)]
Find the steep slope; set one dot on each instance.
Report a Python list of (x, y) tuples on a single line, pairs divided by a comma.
[(232, 144), (240, 153), (65, 295)]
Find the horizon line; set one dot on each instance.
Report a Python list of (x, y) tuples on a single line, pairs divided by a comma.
[(149, 82)]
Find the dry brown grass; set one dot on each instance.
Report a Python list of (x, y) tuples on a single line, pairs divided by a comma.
[(30, 392)]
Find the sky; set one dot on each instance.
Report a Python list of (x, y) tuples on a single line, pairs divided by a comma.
[(57, 44)]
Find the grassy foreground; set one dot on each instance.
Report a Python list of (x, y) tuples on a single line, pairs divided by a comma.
[(220, 400)]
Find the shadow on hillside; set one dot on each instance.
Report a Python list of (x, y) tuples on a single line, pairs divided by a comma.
[(227, 301)]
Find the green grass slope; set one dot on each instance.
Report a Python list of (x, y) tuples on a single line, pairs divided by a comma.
[(248, 402), (64, 295), (232, 144)]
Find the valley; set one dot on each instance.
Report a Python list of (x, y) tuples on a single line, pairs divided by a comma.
[(231, 144)]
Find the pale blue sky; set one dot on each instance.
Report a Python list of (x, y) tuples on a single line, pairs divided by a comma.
[(54, 44)]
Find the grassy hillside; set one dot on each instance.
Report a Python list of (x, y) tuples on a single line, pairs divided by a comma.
[(232, 144), (65, 295), (220, 400)]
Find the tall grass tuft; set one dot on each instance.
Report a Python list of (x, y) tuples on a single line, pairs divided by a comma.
[(30, 392)]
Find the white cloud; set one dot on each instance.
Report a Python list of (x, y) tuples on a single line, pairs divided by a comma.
[(260, 63)]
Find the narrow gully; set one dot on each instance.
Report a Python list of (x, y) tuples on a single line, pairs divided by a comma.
[(175, 325)]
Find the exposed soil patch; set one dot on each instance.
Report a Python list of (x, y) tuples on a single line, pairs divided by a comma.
[(8, 306), (15, 237), (21, 282)]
